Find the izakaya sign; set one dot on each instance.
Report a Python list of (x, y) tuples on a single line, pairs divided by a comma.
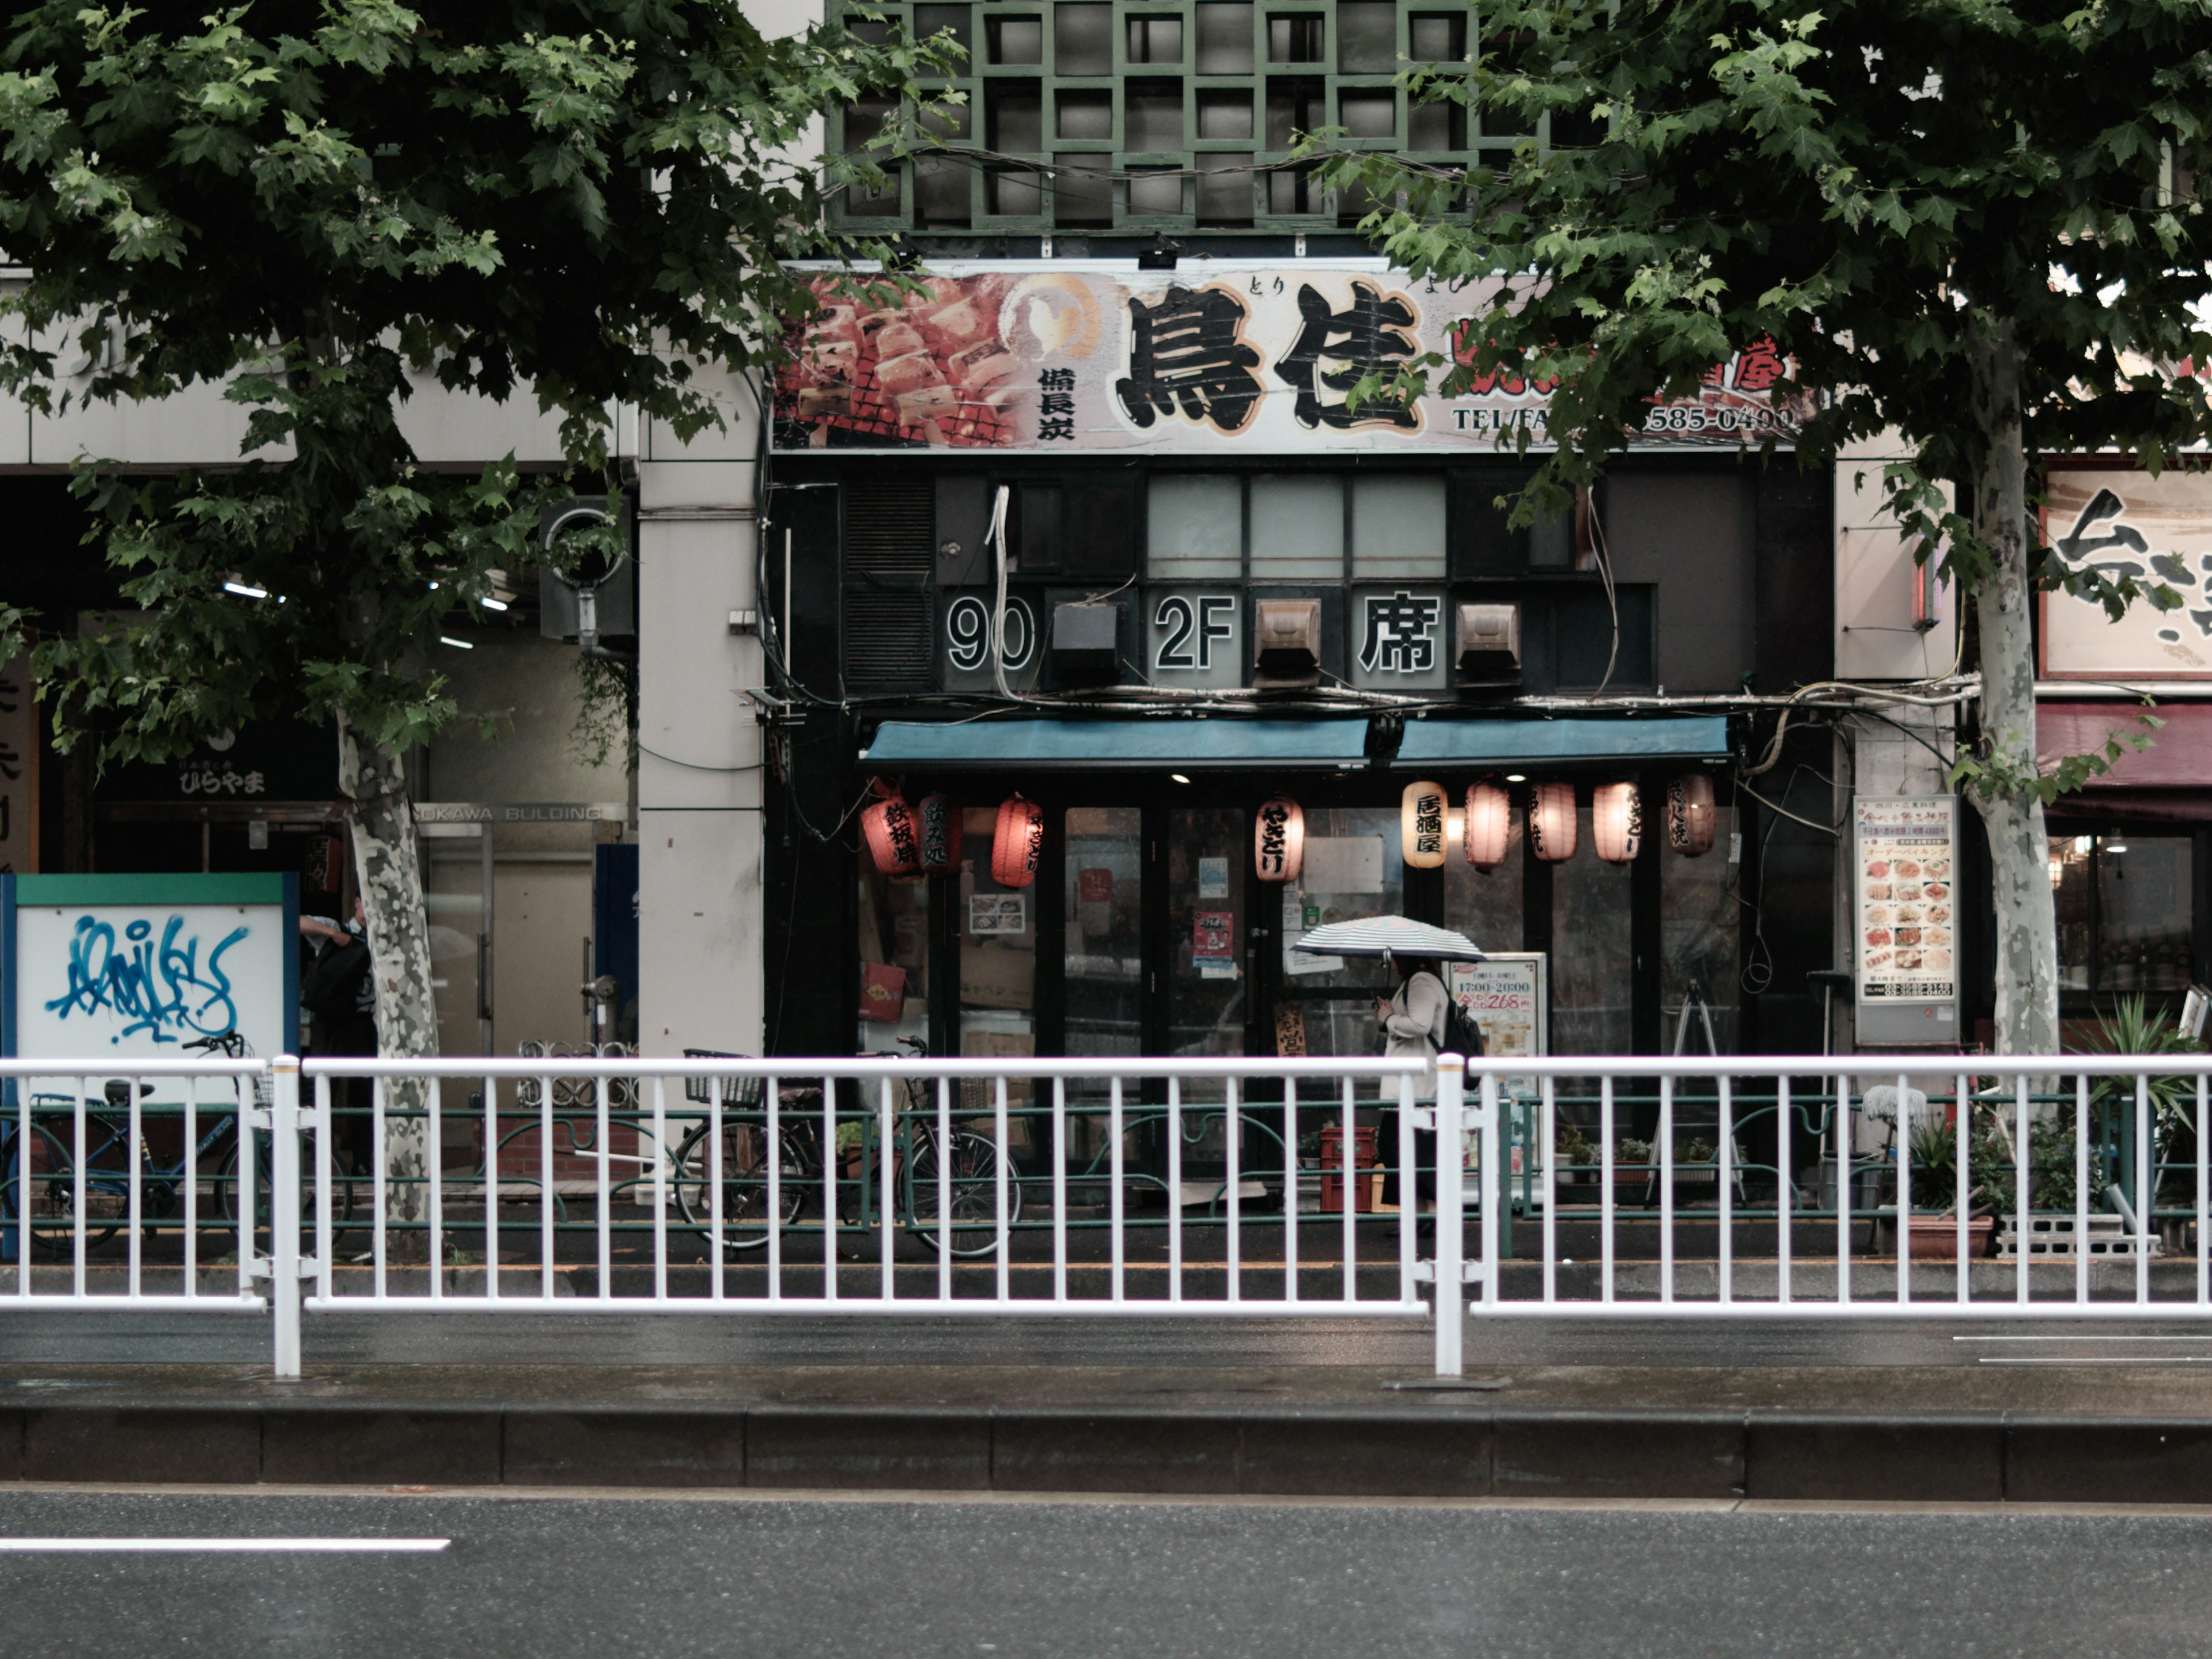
[(2158, 531), (1071, 358)]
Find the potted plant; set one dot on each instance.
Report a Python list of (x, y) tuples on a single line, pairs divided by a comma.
[(2131, 1029), (1932, 1224), (1634, 1176), (1578, 1176)]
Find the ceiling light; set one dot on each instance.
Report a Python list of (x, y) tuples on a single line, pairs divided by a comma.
[(1516, 777), (1177, 777), (2116, 847), (246, 590), (459, 645), (491, 603)]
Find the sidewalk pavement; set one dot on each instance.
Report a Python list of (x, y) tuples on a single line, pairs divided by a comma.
[(2083, 1430)]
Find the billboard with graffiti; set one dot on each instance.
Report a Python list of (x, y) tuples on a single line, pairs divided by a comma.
[(1066, 358)]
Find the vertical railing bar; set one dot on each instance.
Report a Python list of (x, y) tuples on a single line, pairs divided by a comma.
[(1547, 1139), (886, 1127), (191, 1167), (377, 1203), (1175, 1190), (1114, 1198), (77, 1166), (545, 1236), (1846, 1151), (1904, 1194), (944, 1189), (23, 1187), (998, 1175), (2203, 1244), (716, 1288), (436, 1165), (1233, 1167), (601, 1132), (1605, 1192), (491, 1187), (660, 1184), (773, 1153), (1963, 1161), (1726, 1153), (248, 1168), (1409, 1186), (1345, 1159), (2080, 1188), (1290, 1187), (1497, 1191), (2020, 1190), (1060, 1189), (2146, 1157), (324, 1237), (134, 1199), (1785, 1188), (830, 1155), (1666, 1188)]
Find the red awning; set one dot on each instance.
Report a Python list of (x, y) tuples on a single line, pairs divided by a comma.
[(2180, 758)]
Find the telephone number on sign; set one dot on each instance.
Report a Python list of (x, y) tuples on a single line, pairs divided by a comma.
[(1687, 417), (1912, 990)]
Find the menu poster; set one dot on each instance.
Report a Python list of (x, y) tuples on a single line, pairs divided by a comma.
[(1505, 994), (1906, 852)]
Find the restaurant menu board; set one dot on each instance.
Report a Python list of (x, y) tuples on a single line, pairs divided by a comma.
[(1505, 995), (1908, 933)]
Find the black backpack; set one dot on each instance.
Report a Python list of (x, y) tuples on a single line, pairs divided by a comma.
[(1462, 1036), (331, 987)]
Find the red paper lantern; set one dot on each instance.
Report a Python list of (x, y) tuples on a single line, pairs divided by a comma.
[(1551, 823), (943, 835), (894, 838), (1489, 824), (1018, 844), (1279, 839), (1617, 822), (1690, 814)]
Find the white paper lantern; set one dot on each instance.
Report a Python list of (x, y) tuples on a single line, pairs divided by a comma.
[(1617, 822), (1279, 839), (1551, 827), (1421, 825), (1489, 824), (1690, 814)]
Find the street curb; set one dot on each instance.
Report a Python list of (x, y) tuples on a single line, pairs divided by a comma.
[(1445, 1446)]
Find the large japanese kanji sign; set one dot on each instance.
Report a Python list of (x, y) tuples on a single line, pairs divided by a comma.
[(2126, 523), (1065, 359)]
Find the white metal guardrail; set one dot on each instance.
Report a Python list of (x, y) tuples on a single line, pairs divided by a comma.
[(1745, 1186), (99, 1209)]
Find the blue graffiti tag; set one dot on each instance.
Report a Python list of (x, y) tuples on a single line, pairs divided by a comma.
[(162, 990)]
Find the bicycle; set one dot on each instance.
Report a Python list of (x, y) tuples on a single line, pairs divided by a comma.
[(970, 1161)]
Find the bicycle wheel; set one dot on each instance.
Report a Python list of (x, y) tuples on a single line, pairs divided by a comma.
[(226, 1193), (53, 1189), (744, 1182), (972, 1194)]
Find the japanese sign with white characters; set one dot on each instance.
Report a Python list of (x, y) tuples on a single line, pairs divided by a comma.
[(1906, 854)]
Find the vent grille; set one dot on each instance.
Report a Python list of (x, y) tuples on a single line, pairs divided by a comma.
[(889, 528), (889, 640)]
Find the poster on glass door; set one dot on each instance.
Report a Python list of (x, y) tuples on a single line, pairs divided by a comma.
[(1905, 850)]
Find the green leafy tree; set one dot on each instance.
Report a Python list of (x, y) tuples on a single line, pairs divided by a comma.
[(1969, 222), (318, 207)]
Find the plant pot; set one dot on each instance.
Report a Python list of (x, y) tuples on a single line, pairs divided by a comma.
[(1935, 1238), (1633, 1186)]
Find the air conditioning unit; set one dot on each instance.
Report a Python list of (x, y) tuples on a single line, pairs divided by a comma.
[(1287, 645), (1489, 638)]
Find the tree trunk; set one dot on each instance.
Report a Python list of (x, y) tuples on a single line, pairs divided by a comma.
[(374, 778), (2019, 850)]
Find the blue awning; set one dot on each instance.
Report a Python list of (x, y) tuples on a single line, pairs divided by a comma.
[(1209, 744), (1481, 742)]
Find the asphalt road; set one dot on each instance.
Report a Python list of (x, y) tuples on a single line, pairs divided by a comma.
[(751, 1575)]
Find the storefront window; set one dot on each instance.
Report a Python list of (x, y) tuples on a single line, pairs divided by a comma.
[(2144, 904), (997, 961), (1398, 527), (1194, 528), (1591, 969), (1104, 962), (1700, 925), (893, 958), (1353, 869), (1297, 528), (1207, 990)]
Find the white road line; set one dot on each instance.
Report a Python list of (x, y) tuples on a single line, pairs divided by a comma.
[(222, 1546), (2098, 1360), (2102, 1336)]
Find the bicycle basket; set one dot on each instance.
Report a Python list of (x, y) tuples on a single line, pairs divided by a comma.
[(739, 1091)]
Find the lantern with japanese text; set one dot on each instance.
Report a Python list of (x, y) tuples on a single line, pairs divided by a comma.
[(1018, 844), (894, 838), (1421, 825), (1489, 824), (1690, 814), (1279, 839), (1551, 827), (1617, 822), (942, 838)]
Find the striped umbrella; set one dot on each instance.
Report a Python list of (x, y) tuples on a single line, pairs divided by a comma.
[(1389, 936)]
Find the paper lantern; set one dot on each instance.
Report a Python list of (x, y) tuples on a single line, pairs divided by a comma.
[(894, 839), (1279, 839), (1552, 821), (1617, 822), (1489, 824), (1421, 825), (942, 838), (1690, 814), (1018, 844)]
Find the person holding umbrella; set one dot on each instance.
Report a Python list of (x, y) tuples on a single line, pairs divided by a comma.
[(1414, 1020)]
